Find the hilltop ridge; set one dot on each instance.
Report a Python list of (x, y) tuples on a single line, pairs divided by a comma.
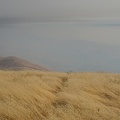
[(15, 63)]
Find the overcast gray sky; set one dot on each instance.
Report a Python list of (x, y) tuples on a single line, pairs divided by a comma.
[(48, 10), (77, 35)]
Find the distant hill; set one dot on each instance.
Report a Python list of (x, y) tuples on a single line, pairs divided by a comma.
[(1, 57), (14, 63)]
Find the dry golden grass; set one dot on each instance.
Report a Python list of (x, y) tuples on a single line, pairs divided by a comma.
[(26, 95)]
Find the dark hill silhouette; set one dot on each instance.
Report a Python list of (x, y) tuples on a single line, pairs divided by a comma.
[(14, 63)]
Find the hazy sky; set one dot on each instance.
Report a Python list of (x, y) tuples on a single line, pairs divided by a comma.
[(60, 9), (77, 35)]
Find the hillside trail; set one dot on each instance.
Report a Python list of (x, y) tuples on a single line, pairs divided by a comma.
[(59, 102), (63, 84)]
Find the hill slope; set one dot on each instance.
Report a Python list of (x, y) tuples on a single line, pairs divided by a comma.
[(14, 63), (1, 57), (59, 96)]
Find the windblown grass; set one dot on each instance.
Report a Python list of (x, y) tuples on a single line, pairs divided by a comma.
[(27, 95)]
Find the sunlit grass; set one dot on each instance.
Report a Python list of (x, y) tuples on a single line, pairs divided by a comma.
[(34, 95)]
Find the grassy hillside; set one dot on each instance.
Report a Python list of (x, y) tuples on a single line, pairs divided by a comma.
[(29, 95)]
